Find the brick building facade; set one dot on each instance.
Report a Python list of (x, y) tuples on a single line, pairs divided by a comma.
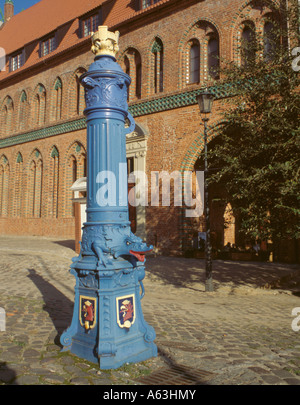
[(170, 48)]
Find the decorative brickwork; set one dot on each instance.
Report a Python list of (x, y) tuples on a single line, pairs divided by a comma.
[(18, 187), (53, 183), (4, 185), (35, 190)]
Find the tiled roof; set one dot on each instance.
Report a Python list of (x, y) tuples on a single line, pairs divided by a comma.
[(34, 23), (40, 19), (123, 10)]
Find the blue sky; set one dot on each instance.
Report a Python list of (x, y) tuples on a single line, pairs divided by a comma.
[(20, 4)]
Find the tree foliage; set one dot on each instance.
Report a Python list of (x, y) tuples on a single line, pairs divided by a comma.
[(258, 152)]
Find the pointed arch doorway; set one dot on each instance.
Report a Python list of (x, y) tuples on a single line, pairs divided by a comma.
[(223, 221)]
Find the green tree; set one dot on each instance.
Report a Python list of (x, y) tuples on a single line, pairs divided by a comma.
[(258, 151)]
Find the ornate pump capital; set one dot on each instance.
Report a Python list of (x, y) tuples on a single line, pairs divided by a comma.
[(105, 42)]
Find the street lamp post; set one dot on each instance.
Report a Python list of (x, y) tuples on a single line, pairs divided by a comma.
[(205, 101)]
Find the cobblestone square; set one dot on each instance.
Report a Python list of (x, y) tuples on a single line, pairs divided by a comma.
[(240, 334)]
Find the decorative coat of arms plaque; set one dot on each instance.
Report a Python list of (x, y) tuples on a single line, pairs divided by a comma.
[(125, 311)]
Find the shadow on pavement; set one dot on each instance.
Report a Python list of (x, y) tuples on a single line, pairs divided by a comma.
[(58, 306), (7, 375), (69, 243), (189, 273)]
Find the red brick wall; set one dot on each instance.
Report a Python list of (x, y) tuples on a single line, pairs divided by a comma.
[(175, 136)]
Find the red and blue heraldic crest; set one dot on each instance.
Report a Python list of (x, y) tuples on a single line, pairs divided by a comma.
[(126, 311), (87, 312)]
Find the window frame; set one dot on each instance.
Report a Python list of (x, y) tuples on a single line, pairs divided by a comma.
[(93, 25), (158, 65), (194, 68), (213, 58), (50, 40), (269, 41), (16, 60), (143, 4), (248, 44)]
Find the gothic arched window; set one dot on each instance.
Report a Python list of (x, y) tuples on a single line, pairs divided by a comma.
[(7, 113), (138, 75), (194, 62), (23, 111), (39, 111), (4, 186), (132, 64), (158, 73), (248, 45), (35, 180), (57, 99), (18, 186), (54, 182), (213, 63), (269, 41)]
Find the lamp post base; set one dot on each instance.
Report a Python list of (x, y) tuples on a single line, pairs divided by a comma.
[(108, 326), (209, 285)]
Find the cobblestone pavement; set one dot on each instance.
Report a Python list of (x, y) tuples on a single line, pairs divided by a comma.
[(240, 334)]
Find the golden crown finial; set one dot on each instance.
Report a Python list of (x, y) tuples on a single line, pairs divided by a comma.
[(105, 42)]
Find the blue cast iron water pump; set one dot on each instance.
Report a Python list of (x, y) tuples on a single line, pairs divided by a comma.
[(108, 326)]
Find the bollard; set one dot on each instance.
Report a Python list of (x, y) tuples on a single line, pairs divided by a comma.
[(108, 326)]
